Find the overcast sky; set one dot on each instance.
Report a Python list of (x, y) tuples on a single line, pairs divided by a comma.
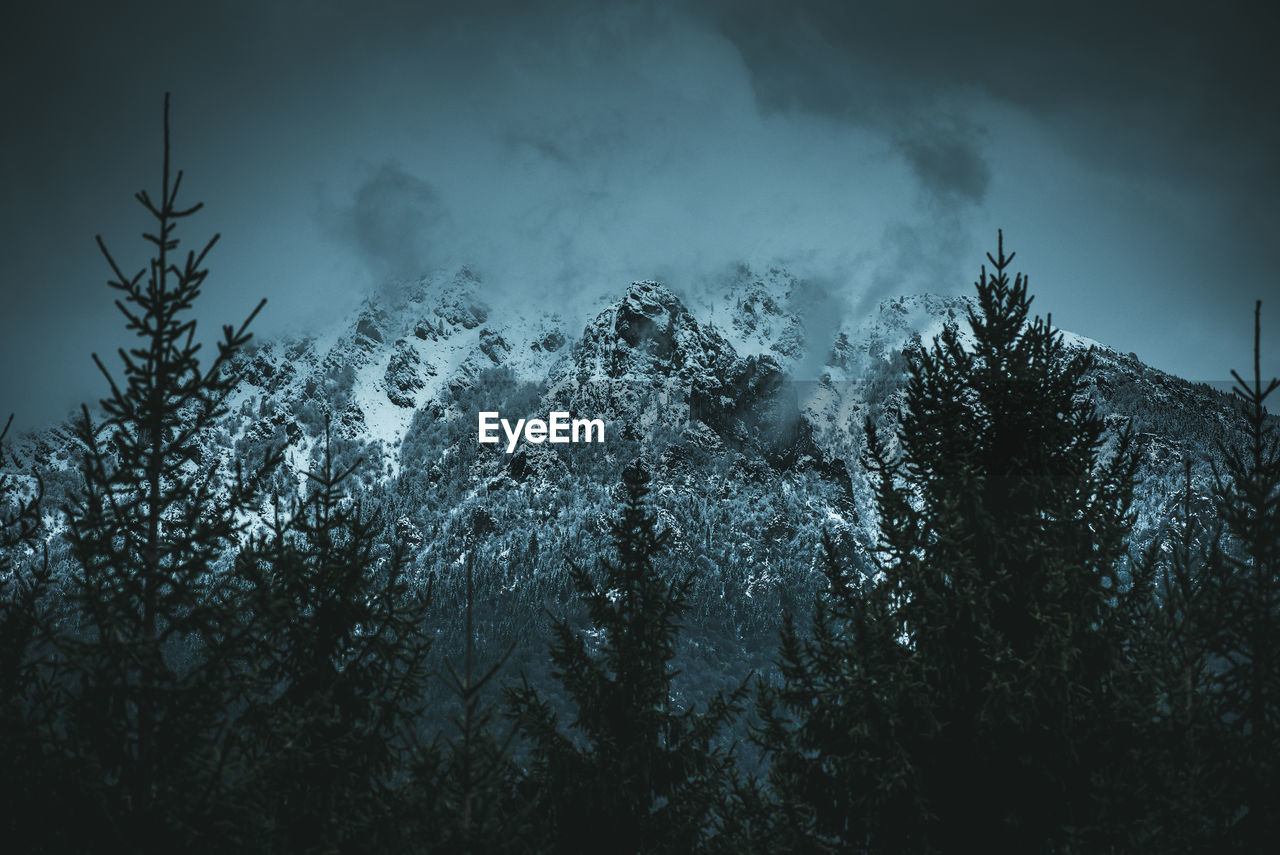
[(1130, 153)]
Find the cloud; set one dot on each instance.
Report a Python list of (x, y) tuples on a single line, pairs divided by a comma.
[(945, 157), (1181, 92), (819, 303), (394, 223), (564, 148)]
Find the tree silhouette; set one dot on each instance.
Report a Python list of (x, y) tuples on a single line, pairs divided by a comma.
[(1180, 771), (844, 697), (149, 531), (636, 773), (470, 791), (206, 670), (339, 662), (1247, 492), (967, 685)]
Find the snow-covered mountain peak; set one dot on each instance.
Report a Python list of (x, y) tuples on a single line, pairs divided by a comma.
[(750, 464)]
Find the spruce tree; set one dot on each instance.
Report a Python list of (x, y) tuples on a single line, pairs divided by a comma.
[(966, 686), (469, 794), (1247, 492), (1180, 771), (149, 532), (340, 669), (634, 772), (839, 724)]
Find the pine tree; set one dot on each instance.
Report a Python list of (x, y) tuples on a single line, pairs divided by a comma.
[(843, 697), (966, 686), (1247, 492), (149, 532), (635, 773), (340, 666), (469, 793), (1179, 775)]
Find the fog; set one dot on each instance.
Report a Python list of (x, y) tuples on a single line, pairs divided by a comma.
[(563, 150)]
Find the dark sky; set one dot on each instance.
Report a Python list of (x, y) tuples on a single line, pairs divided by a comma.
[(1131, 152)]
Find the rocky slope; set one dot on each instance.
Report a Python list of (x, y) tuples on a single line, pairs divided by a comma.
[(747, 408)]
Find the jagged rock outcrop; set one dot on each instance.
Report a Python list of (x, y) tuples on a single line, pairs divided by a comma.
[(750, 464), (403, 377)]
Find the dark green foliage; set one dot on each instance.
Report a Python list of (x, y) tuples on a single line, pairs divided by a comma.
[(996, 674), (470, 796), (148, 667), (339, 666), (838, 725), (986, 650), (1180, 779), (1247, 636), (1205, 671), (635, 773)]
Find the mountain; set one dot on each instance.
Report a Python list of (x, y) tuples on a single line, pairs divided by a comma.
[(746, 399)]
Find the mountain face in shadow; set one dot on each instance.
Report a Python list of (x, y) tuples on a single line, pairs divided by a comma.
[(750, 464)]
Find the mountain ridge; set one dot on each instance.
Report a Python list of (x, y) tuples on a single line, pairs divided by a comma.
[(751, 465)]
